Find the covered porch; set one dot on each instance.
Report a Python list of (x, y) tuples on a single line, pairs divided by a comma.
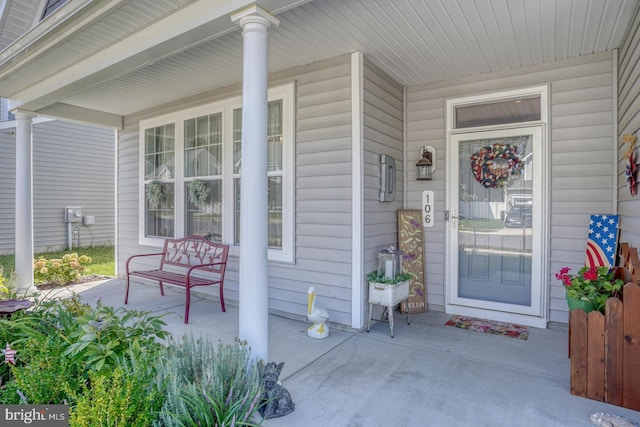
[(429, 374), (353, 81)]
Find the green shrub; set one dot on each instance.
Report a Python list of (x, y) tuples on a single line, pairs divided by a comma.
[(61, 343), (102, 335), (126, 396), (206, 387), (60, 271), (42, 374)]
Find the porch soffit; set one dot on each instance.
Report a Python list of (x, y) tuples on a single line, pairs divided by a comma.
[(146, 53)]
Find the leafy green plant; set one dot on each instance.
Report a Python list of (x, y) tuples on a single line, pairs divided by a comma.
[(61, 343), (594, 284), (43, 377), (105, 334), (379, 277), (206, 387), (60, 271), (128, 395)]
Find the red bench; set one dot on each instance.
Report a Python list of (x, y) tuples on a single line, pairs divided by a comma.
[(188, 262)]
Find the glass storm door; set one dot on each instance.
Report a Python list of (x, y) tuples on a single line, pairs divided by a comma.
[(494, 226)]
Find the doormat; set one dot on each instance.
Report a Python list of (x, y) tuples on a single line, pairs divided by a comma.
[(489, 326)]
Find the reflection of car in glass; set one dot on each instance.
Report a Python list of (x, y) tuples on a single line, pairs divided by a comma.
[(519, 216)]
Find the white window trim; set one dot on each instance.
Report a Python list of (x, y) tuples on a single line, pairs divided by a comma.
[(226, 107)]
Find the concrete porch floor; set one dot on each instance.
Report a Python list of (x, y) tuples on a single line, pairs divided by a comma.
[(428, 375)]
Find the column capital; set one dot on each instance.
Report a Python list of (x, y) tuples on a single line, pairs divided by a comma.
[(254, 14), (23, 114)]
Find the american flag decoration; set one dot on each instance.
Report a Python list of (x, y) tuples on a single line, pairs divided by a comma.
[(603, 241), (9, 355)]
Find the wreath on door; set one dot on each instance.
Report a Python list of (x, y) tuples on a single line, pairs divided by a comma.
[(495, 166)]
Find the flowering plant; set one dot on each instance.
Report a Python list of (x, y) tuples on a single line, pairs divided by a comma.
[(594, 284), (60, 271)]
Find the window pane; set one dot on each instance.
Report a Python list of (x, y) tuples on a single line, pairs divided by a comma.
[(160, 152), (237, 139), (51, 6), (274, 203), (274, 136), (275, 212), (493, 113), (203, 146), (236, 194), (205, 219), (160, 216)]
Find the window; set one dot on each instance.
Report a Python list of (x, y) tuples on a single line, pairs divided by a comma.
[(193, 160), (51, 6), (515, 110), (159, 170)]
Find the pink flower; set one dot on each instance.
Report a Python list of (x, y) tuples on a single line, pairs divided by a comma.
[(591, 274)]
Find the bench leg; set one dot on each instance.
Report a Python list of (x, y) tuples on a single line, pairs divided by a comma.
[(126, 291), (188, 302), (222, 299), (161, 288)]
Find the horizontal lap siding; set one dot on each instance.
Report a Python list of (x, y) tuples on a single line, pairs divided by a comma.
[(322, 192), (7, 192), (581, 152), (629, 122), (383, 134), (73, 165)]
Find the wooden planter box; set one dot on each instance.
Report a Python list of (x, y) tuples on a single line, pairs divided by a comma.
[(605, 351)]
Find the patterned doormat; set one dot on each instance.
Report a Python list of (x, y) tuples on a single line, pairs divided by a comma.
[(490, 326)]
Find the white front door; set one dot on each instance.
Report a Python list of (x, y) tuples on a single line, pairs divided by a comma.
[(495, 225)]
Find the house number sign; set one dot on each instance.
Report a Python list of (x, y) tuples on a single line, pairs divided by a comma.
[(427, 208)]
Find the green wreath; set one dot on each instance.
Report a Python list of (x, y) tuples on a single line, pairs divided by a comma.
[(495, 166)]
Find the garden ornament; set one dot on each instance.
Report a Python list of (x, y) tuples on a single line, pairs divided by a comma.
[(318, 316), (276, 400)]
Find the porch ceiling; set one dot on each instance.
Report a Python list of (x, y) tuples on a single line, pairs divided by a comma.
[(125, 56)]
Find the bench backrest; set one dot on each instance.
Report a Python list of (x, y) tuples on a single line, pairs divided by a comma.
[(195, 250)]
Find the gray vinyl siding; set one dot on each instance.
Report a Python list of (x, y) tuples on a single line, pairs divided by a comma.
[(73, 165), (629, 122), (383, 134), (581, 152), (322, 192), (7, 190)]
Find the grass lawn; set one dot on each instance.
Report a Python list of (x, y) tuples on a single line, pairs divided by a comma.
[(102, 259)]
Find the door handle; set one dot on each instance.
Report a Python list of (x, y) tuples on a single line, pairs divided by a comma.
[(452, 217)]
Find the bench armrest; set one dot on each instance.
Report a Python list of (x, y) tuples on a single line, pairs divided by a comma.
[(203, 266), (139, 256)]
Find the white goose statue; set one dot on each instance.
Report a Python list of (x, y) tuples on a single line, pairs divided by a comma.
[(318, 316)]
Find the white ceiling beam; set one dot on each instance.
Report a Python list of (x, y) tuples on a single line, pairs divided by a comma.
[(72, 113)]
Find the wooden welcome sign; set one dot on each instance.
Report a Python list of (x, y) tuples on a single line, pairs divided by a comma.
[(410, 242)]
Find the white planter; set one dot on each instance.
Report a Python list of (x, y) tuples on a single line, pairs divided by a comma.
[(386, 294)]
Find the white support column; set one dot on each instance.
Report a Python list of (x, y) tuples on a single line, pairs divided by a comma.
[(254, 284), (24, 200)]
